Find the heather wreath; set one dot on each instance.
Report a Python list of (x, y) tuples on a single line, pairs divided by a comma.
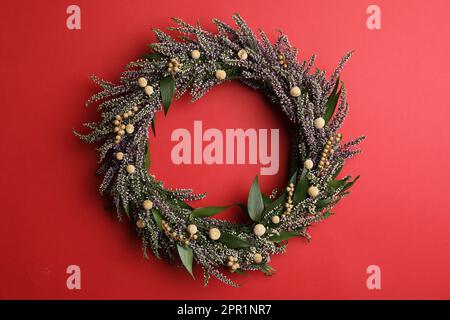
[(315, 108)]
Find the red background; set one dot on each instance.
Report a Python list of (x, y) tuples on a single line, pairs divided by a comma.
[(397, 216)]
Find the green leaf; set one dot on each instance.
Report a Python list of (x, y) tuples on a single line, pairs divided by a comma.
[(266, 200), (277, 202), (332, 102), (301, 189), (186, 256), (293, 178), (127, 210), (207, 211), (152, 56), (158, 217), (153, 126), (320, 204), (350, 184), (241, 272), (147, 156), (255, 202), (183, 204), (335, 184), (167, 87), (232, 241), (284, 235), (339, 168), (267, 270)]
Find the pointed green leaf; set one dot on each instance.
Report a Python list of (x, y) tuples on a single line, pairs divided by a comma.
[(241, 272), (153, 126), (152, 56), (158, 217), (266, 200), (301, 189), (167, 87), (339, 168), (232, 241), (127, 210), (147, 156), (276, 203), (183, 204), (350, 184), (207, 211), (320, 204), (330, 106), (284, 235), (187, 257), (335, 184), (255, 202)]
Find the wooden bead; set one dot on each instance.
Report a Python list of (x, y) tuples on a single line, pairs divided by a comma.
[(192, 229), (259, 230), (313, 191), (220, 74), (195, 54), (319, 123), (140, 224), (275, 219), (308, 164), (295, 91), (129, 128), (130, 169), (120, 156), (142, 82), (214, 234), (242, 54), (257, 258), (148, 204)]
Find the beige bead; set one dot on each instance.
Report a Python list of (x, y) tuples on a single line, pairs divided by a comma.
[(308, 164), (195, 54), (148, 204), (319, 123), (122, 127), (148, 90), (140, 224), (125, 115), (214, 234), (116, 122), (135, 109), (129, 128), (116, 129), (259, 230), (230, 263), (230, 258), (142, 82), (121, 132), (131, 169), (257, 258), (242, 54), (313, 191), (295, 91), (221, 74), (118, 137), (192, 229), (118, 117), (120, 156), (235, 266), (276, 219)]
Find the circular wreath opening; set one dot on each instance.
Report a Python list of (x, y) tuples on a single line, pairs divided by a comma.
[(315, 108)]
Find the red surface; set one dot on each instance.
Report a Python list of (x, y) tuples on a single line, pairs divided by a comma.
[(397, 216)]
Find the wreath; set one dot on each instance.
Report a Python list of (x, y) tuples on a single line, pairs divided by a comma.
[(197, 61)]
